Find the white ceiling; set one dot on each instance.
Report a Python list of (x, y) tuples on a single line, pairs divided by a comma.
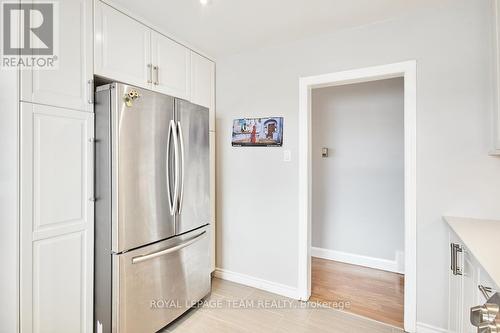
[(231, 26)]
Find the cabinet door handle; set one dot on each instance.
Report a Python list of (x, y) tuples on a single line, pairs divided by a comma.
[(150, 73), (455, 248), (458, 269), (90, 91), (452, 257), (156, 70)]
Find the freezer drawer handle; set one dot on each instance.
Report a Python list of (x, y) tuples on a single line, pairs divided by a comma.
[(176, 248)]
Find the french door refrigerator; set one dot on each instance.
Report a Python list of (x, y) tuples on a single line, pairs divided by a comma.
[(152, 208)]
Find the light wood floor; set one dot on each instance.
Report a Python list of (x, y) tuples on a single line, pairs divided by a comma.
[(373, 293), (289, 319)]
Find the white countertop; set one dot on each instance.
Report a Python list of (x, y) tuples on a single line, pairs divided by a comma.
[(482, 238)]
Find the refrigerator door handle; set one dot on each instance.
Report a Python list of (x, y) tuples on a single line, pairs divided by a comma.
[(176, 169), (169, 194), (172, 132), (181, 142), (176, 248)]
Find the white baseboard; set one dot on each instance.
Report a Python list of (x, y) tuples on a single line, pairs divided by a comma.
[(424, 328), (250, 281), (354, 259)]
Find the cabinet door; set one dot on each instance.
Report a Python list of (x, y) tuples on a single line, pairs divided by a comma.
[(202, 80), (56, 228), (122, 47), (455, 295), (469, 290), (171, 63), (203, 84), (68, 85)]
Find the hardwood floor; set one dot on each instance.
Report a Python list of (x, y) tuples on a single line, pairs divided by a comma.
[(372, 293), (222, 314)]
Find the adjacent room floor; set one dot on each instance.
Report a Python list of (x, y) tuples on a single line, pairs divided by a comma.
[(290, 318), (372, 293)]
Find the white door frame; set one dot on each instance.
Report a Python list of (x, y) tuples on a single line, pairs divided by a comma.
[(407, 70)]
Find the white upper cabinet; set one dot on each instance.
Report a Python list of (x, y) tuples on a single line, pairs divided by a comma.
[(171, 66), (203, 84), (68, 85), (202, 80), (122, 47), (496, 114), (130, 52)]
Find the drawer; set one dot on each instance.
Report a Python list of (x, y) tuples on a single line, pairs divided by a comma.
[(158, 283)]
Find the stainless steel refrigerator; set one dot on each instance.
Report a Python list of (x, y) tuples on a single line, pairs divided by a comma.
[(152, 252)]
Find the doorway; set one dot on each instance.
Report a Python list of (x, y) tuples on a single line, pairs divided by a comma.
[(406, 71), (358, 198)]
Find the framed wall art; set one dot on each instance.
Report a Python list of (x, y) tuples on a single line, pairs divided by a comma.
[(258, 132)]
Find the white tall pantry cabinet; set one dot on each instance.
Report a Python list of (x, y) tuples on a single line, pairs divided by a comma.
[(47, 178), (56, 183)]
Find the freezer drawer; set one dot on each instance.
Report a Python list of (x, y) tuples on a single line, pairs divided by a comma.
[(157, 283)]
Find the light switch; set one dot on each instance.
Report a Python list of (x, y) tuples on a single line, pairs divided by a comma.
[(324, 152), (287, 155)]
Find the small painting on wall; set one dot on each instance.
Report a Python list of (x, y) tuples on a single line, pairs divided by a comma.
[(258, 132)]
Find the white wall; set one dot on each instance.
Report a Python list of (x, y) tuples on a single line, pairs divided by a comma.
[(358, 190), (8, 201), (257, 201)]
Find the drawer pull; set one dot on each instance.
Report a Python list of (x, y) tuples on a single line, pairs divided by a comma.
[(176, 248)]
